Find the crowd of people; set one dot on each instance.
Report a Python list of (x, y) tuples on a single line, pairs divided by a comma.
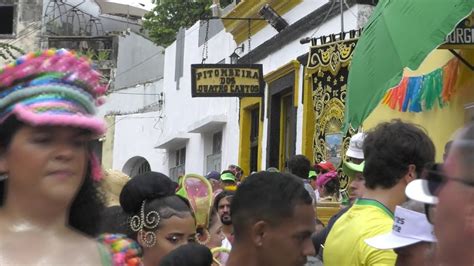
[(53, 210)]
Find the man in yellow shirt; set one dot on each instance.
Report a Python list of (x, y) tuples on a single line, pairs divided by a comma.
[(395, 154)]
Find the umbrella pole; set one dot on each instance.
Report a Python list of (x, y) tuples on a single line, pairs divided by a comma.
[(471, 67)]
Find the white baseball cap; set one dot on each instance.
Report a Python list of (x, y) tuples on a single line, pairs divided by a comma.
[(355, 146), (419, 190), (409, 227), (424, 189)]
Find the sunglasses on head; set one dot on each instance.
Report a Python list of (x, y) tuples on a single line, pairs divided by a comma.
[(436, 177), (433, 173)]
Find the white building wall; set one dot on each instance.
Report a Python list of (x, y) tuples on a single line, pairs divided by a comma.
[(134, 136), (137, 101), (181, 111), (132, 99), (138, 60)]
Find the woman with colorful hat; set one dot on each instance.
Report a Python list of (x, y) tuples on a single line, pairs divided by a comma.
[(49, 197)]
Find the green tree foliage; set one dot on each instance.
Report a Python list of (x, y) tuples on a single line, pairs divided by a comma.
[(164, 21)]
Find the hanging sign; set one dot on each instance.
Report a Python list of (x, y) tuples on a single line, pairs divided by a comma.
[(224, 80), (463, 33)]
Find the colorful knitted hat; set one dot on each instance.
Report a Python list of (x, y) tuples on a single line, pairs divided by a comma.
[(54, 88)]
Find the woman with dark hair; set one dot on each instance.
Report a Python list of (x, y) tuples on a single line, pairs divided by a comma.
[(49, 197), (160, 220)]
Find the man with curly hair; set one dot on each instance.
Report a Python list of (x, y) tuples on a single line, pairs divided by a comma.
[(395, 153)]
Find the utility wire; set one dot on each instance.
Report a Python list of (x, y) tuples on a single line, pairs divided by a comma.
[(139, 64), (325, 17), (124, 116)]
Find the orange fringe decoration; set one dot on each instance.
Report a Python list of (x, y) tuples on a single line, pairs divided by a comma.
[(450, 74)]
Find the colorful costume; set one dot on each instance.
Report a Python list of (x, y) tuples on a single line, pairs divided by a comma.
[(126, 252)]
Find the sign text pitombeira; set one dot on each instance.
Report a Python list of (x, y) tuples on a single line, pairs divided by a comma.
[(224, 80)]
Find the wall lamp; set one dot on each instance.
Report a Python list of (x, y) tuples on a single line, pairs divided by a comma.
[(272, 17), (234, 57)]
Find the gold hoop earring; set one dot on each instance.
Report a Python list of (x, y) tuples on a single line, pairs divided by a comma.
[(207, 238)]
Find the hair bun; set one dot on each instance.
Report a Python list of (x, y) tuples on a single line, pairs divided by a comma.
[(147, 186)]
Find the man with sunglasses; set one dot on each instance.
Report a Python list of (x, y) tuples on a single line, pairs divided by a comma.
[(451, 188), (395, 153)]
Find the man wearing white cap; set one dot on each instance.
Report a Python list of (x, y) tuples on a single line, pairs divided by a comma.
[(452, 190), (355, 153), (354, 166), (411, 236)]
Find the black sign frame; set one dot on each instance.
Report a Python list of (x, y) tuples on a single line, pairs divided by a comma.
[(258, 67), (466, 25)]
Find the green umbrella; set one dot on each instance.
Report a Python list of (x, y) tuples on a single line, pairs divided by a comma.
[(399, 34)]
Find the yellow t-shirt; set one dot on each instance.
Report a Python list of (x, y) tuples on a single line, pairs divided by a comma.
[(345, 243)]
